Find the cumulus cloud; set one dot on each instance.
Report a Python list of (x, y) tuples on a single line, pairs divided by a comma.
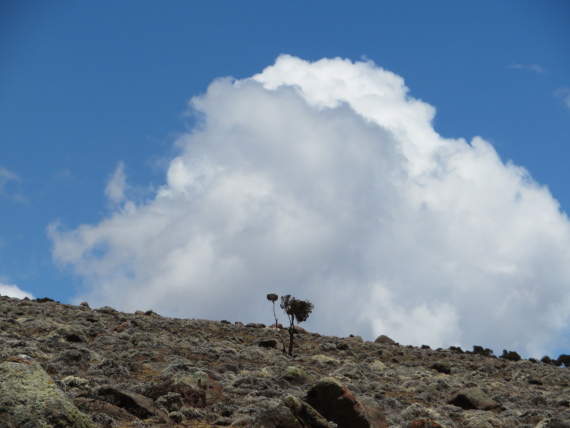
[(14, 291), (326, 180)]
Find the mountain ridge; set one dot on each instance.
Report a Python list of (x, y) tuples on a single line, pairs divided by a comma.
[(101, 367)]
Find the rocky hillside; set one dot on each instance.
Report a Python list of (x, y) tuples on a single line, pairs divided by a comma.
[(63, 365)]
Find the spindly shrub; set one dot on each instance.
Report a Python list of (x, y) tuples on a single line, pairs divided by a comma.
[(296, 310)]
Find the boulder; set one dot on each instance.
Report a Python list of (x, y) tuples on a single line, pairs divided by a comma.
[(292, 412), (267, 343), (473, 399), (296, 376), (29, 397), (198, 389), (441, 367), (136, 404), (279, 416), (385, 340), (333, 400)]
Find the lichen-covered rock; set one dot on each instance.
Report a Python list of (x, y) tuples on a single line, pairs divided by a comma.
[(296, 376), (30, 398)]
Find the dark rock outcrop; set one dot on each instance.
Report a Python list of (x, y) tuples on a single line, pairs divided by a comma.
[(333, 400), (473, 399)]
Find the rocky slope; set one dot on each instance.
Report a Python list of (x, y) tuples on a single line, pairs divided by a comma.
[(63, 365)]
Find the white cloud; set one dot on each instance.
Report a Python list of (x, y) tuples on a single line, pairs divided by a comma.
[(530, 67), (10, 185), (327, 181), (564, 94), (116, 185), (14, 291)]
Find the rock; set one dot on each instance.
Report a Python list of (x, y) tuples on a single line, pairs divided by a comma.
[(198, 389), (384, 340), (350, 371), (75, 382), (291, 413), (296, 376), (534, 380), (333, 400), (136, 404), (106, 310), (279, 416), (103, 411), (255, 325), (441, 367), (177, 417), (473, 399), (326, 361), (553, 423), (29, 398), (172, 401), (417, 411), (377, 365), (267, 343), (305, 413), (299, 330), (329, 347), (352, 337), (481, 420)]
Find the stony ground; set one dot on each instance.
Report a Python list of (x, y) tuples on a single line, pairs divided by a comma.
[(63, 365)]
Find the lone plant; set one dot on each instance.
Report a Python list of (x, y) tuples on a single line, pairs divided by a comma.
[(273, 298), (296, 310)]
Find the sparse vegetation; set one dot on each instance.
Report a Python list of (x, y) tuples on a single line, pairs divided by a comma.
[(479, 350), (510, 355), (564, 359), (297, 311), (272, 297), (456, 349)]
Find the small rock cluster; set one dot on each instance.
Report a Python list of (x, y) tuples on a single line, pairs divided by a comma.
[(64, 365)]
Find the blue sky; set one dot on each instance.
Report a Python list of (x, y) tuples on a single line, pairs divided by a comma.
[(89, 86)]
